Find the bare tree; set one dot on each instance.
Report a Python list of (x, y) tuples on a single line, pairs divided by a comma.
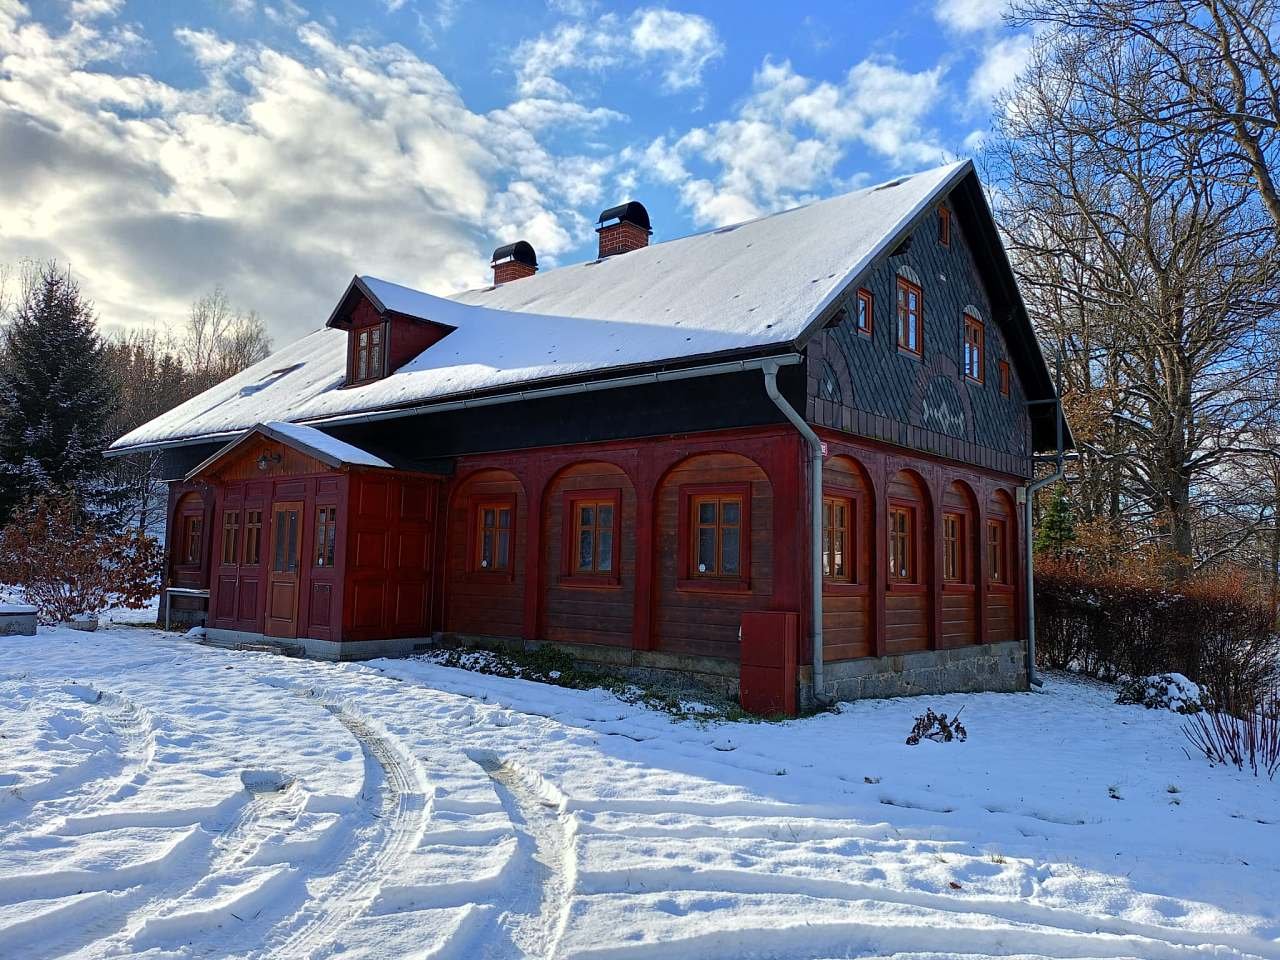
[(220, 340), (1215, 63), (1151, 272)]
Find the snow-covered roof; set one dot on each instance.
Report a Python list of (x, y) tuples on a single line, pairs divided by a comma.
[(754, 285), (326, 449)]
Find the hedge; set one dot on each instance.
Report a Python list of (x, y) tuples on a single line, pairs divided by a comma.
[(1214, 629)]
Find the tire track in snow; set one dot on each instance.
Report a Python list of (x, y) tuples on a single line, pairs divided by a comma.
[(122, 913), (394, 800), (132, 728), (535, 922)]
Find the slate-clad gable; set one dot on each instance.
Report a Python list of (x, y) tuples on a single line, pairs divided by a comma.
[(923, 403)]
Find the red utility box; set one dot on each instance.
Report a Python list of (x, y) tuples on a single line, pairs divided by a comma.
[(767, 682)]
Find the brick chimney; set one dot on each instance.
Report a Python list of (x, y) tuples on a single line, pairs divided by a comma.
[(623, 228), (514, 261)]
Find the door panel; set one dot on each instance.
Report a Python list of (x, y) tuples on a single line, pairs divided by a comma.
[(282, 579)]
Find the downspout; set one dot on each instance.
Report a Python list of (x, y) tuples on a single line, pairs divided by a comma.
[(770, 369), (1028, 531)]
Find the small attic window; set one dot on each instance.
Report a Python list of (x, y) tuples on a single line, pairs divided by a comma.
[(368, 354)]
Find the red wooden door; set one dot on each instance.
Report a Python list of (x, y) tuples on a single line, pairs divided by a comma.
[(282, 580)]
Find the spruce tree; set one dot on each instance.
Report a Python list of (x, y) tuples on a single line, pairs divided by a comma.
[(1056, 530), (56, 397)]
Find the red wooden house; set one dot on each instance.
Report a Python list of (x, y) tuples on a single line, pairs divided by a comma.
[(785, 456)]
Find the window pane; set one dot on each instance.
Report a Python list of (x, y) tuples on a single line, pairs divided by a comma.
[(707, 512), (606, 515), (586, 548), (729, 550), (504, 518), (605, 563), (839, 554), (280, 545), (293, 540), (586, 515), (488, 518), (486, 548), (504, 549), (731, 512), (707, 550)]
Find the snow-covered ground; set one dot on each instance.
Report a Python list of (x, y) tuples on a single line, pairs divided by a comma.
[(163, 799)]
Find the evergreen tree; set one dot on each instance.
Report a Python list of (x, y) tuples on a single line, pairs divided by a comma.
[(1056, 530), (56, 397)]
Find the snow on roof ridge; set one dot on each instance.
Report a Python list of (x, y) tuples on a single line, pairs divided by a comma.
[(321, 442), (722, 228)]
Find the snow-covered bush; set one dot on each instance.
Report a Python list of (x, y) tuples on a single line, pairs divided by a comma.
[(936, 727), (67, 566), (1213, 629), (1162, 691)]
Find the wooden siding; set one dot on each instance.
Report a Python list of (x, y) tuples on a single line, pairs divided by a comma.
[(576, 610), (390, 545), (1002, 598), (704, 620), (847, 612), (959, 600), (479, 601), (907, 621)]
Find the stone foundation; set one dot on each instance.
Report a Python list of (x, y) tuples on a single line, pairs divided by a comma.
[(317, 649), (692, 676), (999, 667)]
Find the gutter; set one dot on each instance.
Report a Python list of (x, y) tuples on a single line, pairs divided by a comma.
[(770, 368), (1028, 531), (589, 386)]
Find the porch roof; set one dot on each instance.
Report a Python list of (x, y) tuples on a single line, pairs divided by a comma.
[(315, 443)]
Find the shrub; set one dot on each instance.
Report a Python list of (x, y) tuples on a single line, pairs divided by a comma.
[(1252, 740), (1164, 691), (1212, 629), (66, 565), (936, 727)]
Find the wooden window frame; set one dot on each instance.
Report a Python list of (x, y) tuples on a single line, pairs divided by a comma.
[(850, 503), (325, 528), (686, 578), (192, 532), (475, 541), (914, 583), (570, 575), (864, 298), (944, 226), (373, 370), (1005, 378), (1002, 526), (231, 537), (977, 374), (257, 540), (963, 581), (903, 290)]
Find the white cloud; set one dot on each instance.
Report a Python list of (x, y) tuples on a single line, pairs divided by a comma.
[(93, 9), (968, 16), (678, 45), (1001, 63), (205, 46), (783, 147), (685, 42), (278, 176)]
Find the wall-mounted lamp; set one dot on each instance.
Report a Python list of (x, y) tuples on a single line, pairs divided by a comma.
[(267, 459)]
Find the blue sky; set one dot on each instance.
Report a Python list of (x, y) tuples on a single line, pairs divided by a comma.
[(275, 148)]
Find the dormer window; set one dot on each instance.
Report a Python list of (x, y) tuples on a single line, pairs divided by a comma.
[(369, 354), (383, 336)]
